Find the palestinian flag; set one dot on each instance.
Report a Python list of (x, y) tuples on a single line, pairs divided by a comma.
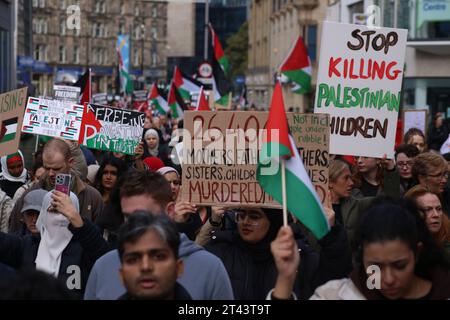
[(8, 129), (176, 103), (84, 83), (202, 102), (126, 84), (185, 85), (157, 100), (221, 86), (218, 51), (301, 197), (297, 68)]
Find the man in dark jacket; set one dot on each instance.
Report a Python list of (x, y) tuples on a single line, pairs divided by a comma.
[(57, 158), (148, 250)]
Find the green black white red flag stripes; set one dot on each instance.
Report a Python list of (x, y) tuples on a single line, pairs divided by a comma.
[(218, 51), (186, 86), (202, 102), (176, 103), (297, 68), (157, 100), (302, 199), (221, 86), (8, 129)]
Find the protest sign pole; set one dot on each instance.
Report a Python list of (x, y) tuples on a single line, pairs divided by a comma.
[(37, 143), (283, 191)]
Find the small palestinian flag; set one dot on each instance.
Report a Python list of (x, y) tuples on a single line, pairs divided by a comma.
[(176, 103), (8, 130), (202, 102), (185, 85), (218, 51), (297, 68), (157, 100), (221, 86)]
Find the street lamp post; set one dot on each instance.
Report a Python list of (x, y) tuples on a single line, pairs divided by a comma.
[(142, 54)]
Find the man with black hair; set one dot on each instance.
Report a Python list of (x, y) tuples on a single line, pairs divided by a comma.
[(204, 277), (148, 250)]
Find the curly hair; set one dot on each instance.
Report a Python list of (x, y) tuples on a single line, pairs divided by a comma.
[(425, 162)]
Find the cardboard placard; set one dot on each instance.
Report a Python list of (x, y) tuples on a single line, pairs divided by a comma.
[(415, 118), (53, 118), (12, 104), (66, 93), (359, 82), (112, 129), (223, 171)]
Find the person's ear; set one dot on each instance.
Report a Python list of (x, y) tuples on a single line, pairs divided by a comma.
[(71, 161), (170, 210), (180, 268)]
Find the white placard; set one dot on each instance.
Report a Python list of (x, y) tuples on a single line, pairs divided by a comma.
[(66, 93), (359, 82), (53, 118), (415, 119)]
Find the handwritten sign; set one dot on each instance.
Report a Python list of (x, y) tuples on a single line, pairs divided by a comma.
[(415, 118), (12, 104), (359, 82), (221, 154), (53, 118), (112, 129)]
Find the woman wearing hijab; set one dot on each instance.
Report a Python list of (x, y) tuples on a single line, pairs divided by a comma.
[(153, 147), (13, 175), (246, 254)]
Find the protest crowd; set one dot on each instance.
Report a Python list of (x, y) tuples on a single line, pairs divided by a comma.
[(127, 218)]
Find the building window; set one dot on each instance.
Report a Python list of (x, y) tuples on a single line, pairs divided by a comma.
[(98, 30), (121, 28), (98, 56), (312, 42), (154, 33), (154, 12), (62, 27), (135, 56), (42, 3), (136, 10), (40, 52), (100, 6), (137, 32), (76, 54), (40, 26), (35, 3), (62, 54), (154, 58), (62, 4), (122, 8)]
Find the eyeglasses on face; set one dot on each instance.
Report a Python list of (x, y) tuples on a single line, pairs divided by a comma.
[(405, 164), (442, 175)]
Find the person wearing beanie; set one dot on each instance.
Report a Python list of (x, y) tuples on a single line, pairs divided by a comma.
[(246, 254), (153, 163)]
